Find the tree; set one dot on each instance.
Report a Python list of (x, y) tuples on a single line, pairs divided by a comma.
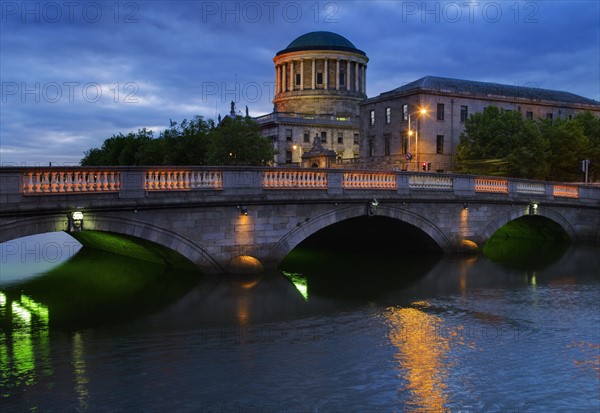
[(237, 141), (499, 142), (568, 145), (591, 129)]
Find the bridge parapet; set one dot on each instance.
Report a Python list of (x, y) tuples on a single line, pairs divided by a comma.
[(25, 186)]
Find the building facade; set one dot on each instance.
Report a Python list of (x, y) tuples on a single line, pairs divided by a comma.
[(320, 79), (387, 140)]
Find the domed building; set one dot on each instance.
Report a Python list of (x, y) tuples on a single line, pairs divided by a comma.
[(320, 78)]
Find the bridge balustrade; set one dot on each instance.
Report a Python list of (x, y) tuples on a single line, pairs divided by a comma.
[(430, 182), (491, 185), (294, 179), (368, 180), (161, 180), (565, 191), (39, 182), (533, 188), (135, 182)]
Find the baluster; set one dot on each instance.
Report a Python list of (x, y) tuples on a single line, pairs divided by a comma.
[(28, 183)]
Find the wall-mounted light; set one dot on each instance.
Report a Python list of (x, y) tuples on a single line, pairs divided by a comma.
[(75, 221), (243, 210), (466, 206), (373, 206), (533, 208)]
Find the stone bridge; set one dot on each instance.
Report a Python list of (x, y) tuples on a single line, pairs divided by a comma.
[(216, 215)]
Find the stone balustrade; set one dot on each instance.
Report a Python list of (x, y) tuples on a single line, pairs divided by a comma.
[(136, 182), (294, 179), (430, 182), (42, 182), (491, 185), (369, 180), (565, 191), (533, 188), (183, 180)]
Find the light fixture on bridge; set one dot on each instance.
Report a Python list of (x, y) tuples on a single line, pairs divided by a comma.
[(466, 206), (533, 208), (243, 210), (373, 206), (75, 221)]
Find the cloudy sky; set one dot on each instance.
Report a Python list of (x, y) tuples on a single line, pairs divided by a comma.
[(74, 73)]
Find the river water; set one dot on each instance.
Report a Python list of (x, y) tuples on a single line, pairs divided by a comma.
[(331, 333)]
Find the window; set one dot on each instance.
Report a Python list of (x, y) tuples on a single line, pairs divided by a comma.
[(371, 147), (549, 116), (405, 112), (297, 79), (307, 137), (342, 78), (388, 115), (439, 148), (386, 140), (404, 140), (530, 115), (440, 111), (319, 78), (356, 138), (324, 137), (288, 156), (372, 117), (340, 137), (288, 135), (464, 113)]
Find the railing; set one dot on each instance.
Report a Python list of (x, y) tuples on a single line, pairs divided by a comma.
[(565, 191), (133, 182), (291, 179), (491, 185), (70, 181), (533, 188), (366, 180), (430, 182), (182, 180)]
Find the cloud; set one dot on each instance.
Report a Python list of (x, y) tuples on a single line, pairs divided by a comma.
[(69, 83)]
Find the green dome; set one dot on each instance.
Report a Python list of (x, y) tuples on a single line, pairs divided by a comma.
[(321, 41)]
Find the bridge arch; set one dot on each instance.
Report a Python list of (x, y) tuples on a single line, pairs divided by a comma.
[(139, 229), (502, 220), (300, 233)]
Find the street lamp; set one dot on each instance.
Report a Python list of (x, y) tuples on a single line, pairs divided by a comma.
[(421, 112), (299, 148)]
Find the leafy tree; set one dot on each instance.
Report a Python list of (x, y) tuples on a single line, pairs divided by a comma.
[(591, 129), (568, 145), (497, 142), (237, 141)]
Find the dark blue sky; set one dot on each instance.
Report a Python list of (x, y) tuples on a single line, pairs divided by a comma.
[(75, 73)]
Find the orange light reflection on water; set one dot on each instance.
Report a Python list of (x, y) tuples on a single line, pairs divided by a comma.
[(423, 345)]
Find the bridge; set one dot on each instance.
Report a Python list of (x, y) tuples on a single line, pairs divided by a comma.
[(219, 216)]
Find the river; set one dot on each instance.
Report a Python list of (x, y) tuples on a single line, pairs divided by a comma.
[(98, 332)]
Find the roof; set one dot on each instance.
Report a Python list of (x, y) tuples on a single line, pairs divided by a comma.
[(485, 89), (321, 41)]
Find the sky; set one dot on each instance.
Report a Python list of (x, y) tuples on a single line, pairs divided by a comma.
[(74, 73)]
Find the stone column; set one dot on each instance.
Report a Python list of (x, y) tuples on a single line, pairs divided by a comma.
[(292, 80), (301, 74), (356, 66), (337, 75), (347, 80), (313, 74), (364, 79), (326, 70), (278, 78)]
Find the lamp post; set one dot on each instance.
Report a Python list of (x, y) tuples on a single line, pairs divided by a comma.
[(422, 111)]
